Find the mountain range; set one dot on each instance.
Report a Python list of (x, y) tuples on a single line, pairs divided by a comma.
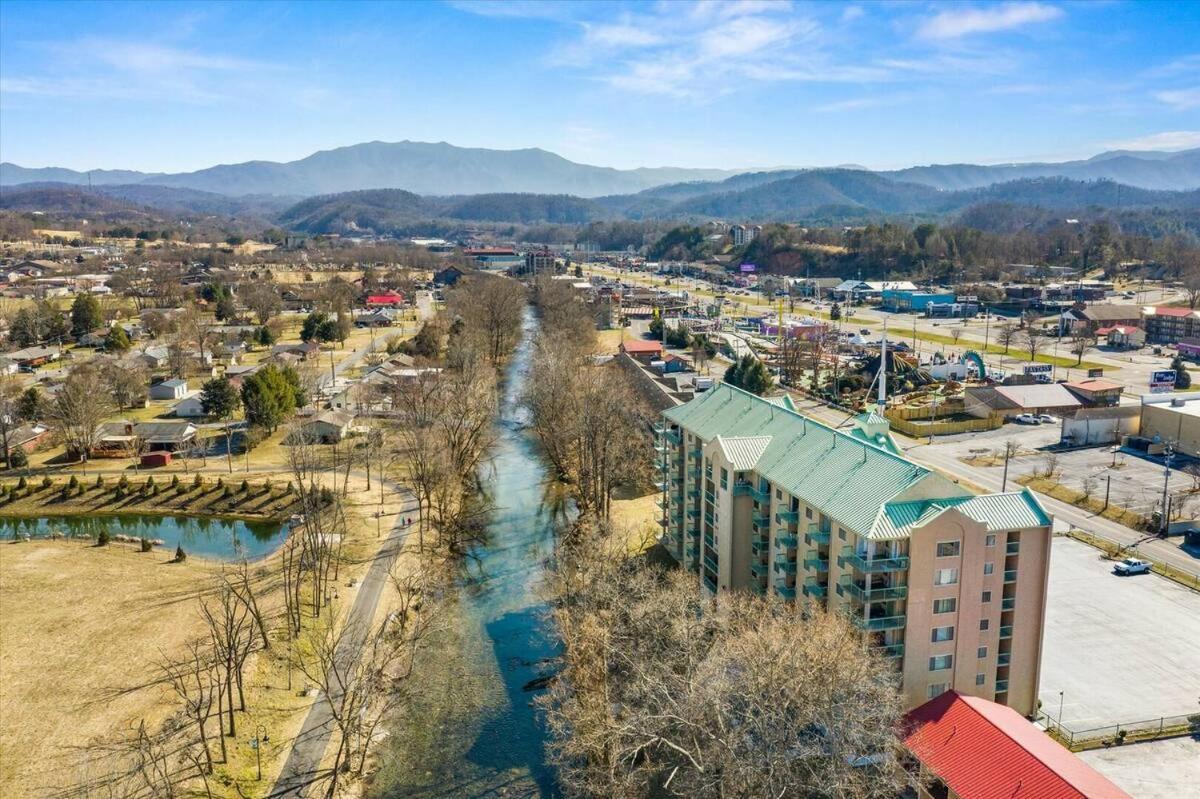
[(441, 169)]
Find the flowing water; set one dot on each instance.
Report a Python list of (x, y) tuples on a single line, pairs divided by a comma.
[(471, 729), (220, 539)]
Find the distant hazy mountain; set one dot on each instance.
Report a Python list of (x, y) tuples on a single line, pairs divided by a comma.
[(419, 167), (1147, 170), (443, 170)]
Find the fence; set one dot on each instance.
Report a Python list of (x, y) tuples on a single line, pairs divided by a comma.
[(1125, 732), (921, 429)]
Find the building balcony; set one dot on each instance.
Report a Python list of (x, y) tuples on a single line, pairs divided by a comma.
[(760, 519), (815, 535), (661, 427), (742, 489), (784, 590), (1004, 658), (1008, 603), (814, 561), (711, 497), (696, 452), (889, 650), (1010, 576), (710, 519), (1006, 631), (710, 583), (814, 589), (1001, 686), (661, 485), (693, 473), (662, 446), (758, 568), (787, 516), (710, 564), (758, 589), (693, 513), (877, 623), (786, 541), (1012, 547), (693, 493), (872, 565), (784, 565), (709, 541), (759, 545), (864, 592), (761, 495), (663, 467)]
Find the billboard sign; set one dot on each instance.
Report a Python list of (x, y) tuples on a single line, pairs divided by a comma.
[(748, 268), (1037, 369), (1162, 381)]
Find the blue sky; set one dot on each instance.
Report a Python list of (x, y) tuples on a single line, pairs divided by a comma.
[(179, 86)]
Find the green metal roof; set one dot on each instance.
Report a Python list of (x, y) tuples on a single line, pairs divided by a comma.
[(862, 483), (1010, 511), (845, 477)]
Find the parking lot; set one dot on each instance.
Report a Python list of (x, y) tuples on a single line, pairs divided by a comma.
[(1120, 649), (1151, 770)]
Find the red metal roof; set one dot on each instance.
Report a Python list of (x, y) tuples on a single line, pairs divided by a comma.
[(1167, 310), (983, 750), (385, 299), (638, 345), (1095, 384)]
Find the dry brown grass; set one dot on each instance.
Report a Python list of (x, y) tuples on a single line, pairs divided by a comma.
[(80, 626)]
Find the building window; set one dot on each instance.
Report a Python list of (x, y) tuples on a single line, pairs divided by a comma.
[(984, 624), (808, 513), (941, 662), (841, 534), (937, 689), (942, 634), (947, 549), (980, 679), (945, 577), (724, 478), (989, 568), (987, 597), (944, 605), (981, 652), (990, 541)]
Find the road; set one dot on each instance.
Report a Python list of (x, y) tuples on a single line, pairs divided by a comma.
[(308, 748)]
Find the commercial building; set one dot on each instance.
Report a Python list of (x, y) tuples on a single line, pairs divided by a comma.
[(1096, 392), (952, 586), (1094, 317), (1170, 325), (970, 748), (1010, 401), (903, 300), (1173, 418)]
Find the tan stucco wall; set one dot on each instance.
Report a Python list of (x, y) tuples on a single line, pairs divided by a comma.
[(1169, 424)]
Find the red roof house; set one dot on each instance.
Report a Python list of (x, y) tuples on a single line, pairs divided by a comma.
[(642, 350), (389, 299), (981, 750)]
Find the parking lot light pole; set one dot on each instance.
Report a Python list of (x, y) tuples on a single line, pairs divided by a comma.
[(1164, 522), (1060, 711)]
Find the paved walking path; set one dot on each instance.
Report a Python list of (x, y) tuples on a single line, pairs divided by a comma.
[(303, 763)]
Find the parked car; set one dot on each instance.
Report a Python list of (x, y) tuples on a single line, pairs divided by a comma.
[(1046, 418), (1131, 566), (1026, 418)]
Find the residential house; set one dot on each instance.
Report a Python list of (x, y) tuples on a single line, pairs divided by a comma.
[(156, 357), (28, 437), (123, 438), (172, 389), (304, 350), (32, 357), (382, 318), (327, 427), (388, 299), (947, 584), (190, 407), (642, 350), (451, 275), (966, 747)]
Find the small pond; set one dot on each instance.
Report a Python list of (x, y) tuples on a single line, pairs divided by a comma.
[(219, 539)]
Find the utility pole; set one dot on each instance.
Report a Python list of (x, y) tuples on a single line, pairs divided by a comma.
[(1164, 521)]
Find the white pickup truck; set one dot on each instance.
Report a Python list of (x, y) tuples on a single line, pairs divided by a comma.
[(1131, 566)]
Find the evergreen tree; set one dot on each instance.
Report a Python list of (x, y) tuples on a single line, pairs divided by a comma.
[(1183, 380), (117, 340), (85, 315), (749, 374)]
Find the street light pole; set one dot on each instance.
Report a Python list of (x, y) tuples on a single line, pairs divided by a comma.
[(1169, 451)]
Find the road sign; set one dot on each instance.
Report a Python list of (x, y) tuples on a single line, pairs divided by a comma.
[(1162, 381), (748, 268)]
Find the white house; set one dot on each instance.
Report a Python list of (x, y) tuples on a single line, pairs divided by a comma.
[(172, 389), (190, 407)]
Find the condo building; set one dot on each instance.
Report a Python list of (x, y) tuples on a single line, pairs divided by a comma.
[(949, 584)]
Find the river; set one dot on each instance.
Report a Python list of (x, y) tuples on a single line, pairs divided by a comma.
[(471, 729)]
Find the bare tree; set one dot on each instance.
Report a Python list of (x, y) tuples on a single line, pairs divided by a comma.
[(1081, 342), (491, 309), (1007, 334), (262, 298), (1032, 341), (231, 635), (79, 408), (195, 679)]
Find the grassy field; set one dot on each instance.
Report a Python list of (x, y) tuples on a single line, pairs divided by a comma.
[(1053, 488), (82, 624)]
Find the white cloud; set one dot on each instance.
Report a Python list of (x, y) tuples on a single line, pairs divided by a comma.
[(964, 21), (1180, 99), (1167, 140), (851, 13), (623, 34), (858, 103)]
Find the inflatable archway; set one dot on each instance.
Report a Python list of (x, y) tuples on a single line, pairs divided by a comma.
[(975, 358)]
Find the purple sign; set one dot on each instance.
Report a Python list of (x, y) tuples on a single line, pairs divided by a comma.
[(749, 268)]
